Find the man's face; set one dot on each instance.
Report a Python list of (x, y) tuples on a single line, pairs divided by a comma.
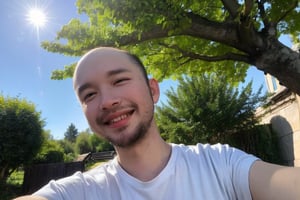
[(115, 97)]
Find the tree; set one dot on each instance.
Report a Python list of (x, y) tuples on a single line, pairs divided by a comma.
[(21, 138), (100, 144), (83, 144), (67, 146), (90, 142), (71, 133), (51, 151), (69, 150), (206, 109), (175, 37)]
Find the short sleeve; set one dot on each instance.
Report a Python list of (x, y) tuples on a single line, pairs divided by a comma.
[(67, 188)]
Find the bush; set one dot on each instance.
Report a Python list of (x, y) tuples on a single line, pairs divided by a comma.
[(13, 186), (260, 141)]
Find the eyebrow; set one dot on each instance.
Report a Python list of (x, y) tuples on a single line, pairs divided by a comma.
[(117, 71), (109, 74), (83, 87)]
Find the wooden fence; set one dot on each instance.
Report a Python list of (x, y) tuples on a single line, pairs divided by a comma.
[(36, 176)]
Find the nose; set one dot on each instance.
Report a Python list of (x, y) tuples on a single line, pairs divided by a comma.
[(109, 101)]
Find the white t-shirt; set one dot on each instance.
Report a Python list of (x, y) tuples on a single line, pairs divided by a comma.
[(193, 172)]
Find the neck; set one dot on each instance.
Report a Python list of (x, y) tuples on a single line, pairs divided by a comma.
[(146, 159)]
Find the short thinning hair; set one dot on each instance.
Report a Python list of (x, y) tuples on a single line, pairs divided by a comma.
[(132, 57), (139, 63)]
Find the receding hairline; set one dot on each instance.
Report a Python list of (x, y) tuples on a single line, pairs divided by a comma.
[(94, 52), (102, 50), (98, 51)]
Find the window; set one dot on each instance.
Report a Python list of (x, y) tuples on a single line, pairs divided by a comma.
[(274, 83)]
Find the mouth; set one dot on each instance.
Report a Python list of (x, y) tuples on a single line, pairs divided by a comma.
[(118, 118)]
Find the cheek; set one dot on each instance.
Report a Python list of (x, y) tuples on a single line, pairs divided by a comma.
[(144, 97), (138, 94), (89, 112)]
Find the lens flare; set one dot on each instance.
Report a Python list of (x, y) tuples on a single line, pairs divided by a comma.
[(37, 17)]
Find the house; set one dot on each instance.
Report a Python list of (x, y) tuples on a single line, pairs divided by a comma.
[(283, 113)]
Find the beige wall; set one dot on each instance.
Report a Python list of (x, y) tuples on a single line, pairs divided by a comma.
[(284, 115)]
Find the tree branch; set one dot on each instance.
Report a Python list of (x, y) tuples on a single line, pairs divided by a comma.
[(200, 27), (227, 56), (262, 12), (232, 6), (290, 9), (248, 7)]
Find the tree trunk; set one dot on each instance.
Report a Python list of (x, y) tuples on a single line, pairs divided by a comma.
[(4, 173), (282, 63)]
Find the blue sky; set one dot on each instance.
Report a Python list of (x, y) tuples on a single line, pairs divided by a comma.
[(25, 67)]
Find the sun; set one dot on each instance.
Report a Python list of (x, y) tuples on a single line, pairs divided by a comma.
[(37, 17)]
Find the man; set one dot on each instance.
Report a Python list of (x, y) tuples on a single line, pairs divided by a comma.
[(118, 101)]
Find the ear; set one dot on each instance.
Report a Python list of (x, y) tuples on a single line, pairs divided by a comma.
[(154, 89)]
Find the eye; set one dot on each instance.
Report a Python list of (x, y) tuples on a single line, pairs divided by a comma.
[(87, 97), (121, 81)]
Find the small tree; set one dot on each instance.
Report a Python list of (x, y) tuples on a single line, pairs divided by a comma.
[(69, 150), (51, 151), (206, 109), (99, 144), (67, 146), (71, 133), (83, 144), (21, 129)]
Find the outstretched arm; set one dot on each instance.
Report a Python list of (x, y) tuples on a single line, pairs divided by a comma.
[(274, 182), (29, 197)]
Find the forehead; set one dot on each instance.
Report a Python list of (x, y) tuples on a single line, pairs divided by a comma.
[(101, 62)]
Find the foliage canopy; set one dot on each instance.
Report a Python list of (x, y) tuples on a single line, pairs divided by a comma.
[(51, 150), (21, 129), (204, 109), (189, 37), (71, 133)]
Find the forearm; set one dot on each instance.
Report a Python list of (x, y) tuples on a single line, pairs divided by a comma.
[(272, 182), (30, 197)]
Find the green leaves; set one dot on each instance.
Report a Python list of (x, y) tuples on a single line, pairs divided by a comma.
[(188, 37), (63, 74), (20, 133), (71, 133), (206, 109)]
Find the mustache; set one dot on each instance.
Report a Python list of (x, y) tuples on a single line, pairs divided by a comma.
[(104, 114)]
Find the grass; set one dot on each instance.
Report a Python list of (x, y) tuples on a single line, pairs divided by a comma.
[(92, 165)]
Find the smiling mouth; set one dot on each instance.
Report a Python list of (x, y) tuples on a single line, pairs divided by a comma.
[(119, 118)]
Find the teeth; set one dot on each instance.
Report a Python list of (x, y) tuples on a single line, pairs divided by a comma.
[(119, 118)]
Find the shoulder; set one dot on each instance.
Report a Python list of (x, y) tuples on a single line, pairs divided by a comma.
[(101, 173), (214, 153), (80, 185), (204, 148)]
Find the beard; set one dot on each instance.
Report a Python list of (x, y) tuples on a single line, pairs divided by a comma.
[(128, 139), (133, 138)]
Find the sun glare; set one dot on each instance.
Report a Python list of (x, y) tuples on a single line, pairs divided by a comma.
[(37, 17)]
